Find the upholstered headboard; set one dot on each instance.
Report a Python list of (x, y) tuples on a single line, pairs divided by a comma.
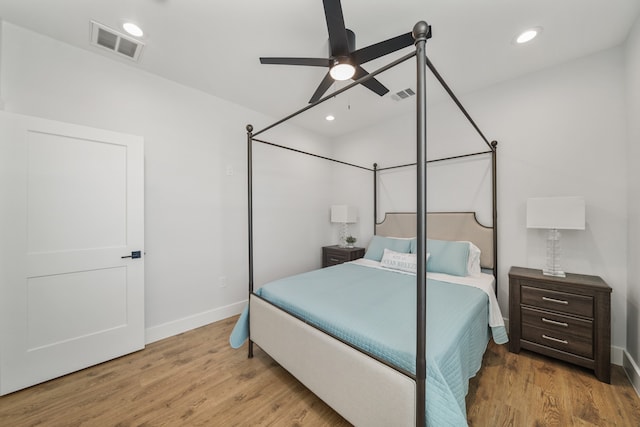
[(443, 226)]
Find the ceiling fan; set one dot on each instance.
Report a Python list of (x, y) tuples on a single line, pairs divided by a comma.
[(344, 60)]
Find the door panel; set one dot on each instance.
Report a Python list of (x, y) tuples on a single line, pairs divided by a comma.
[(98, 297), (73, 185), (73, 207)]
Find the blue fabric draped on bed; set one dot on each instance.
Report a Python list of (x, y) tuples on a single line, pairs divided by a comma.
[(375, 310)]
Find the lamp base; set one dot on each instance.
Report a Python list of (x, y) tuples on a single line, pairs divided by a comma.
[(554, 273), (553, 255), (344, 232)]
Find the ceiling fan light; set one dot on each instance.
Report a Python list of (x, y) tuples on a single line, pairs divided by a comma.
[(342, 71)]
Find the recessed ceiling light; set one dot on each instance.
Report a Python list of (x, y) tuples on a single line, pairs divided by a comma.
[(330, 118), (132, 29), (528, 35)]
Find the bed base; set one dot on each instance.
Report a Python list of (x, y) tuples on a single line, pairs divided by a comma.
[(361, 389)]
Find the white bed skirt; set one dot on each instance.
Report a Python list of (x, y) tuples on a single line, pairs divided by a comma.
[(363, 390)]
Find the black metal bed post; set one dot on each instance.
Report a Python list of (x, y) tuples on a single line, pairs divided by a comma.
[(375, 197), (494, 179), (250, 219), (421, 32)]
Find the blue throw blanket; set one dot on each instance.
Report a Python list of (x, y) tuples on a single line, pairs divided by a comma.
[(375, 310)]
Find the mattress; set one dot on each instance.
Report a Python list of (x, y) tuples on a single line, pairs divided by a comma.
[(374, 310)]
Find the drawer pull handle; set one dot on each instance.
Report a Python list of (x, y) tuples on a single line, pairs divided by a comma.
[(334, 259), (553, 322), (557, 301), (546, 337)]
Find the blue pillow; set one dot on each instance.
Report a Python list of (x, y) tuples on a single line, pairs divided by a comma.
[(448, 257), (378, 244), (414, 246)]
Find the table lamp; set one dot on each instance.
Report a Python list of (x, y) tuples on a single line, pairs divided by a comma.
[(345, 215), (553, 214)]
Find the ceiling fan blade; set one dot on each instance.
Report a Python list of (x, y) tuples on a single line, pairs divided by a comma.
[(383, 48), (371, 84), (325, 84), (338, 41), (314, 62)]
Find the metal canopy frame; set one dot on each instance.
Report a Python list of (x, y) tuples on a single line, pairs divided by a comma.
[(421, 33)]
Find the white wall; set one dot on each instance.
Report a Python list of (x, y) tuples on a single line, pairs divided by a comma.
[(1, 36), (195, 144), (561, 131), (633, 196), (392, 143), (292, 198)]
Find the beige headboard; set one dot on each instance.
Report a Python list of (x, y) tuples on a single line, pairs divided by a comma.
[(442, 226)]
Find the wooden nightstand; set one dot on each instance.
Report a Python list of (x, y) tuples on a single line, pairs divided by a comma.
[(568, 318), (332, 255)]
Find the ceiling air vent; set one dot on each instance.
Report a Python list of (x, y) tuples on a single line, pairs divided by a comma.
[(403, 94), (120, 44)]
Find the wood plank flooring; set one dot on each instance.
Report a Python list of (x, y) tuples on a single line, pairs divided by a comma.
[(196, 379), (527, 389)]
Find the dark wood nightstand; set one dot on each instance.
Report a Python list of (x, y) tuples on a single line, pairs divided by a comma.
[(332, 255), (568, 318)]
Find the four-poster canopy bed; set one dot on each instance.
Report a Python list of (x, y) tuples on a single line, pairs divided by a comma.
[(363, 376)]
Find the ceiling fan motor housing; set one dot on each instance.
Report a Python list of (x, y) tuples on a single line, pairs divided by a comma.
[(351, 42)]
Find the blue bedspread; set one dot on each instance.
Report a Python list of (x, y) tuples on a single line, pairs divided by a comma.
[(375, 310)]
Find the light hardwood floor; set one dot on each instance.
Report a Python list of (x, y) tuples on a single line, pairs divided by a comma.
[(196, 379)]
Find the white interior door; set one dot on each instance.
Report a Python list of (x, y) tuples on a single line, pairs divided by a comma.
[(72, 202)]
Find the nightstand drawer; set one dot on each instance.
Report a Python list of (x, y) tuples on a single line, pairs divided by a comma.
[(560, 341), (336, 257), (333, 255), (580, 305), (557, 322)]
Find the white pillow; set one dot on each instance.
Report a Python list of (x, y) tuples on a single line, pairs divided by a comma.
[(399, 261), (473, 263)]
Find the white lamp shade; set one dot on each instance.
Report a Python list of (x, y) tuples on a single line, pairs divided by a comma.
[(561, 213), (344, 214)]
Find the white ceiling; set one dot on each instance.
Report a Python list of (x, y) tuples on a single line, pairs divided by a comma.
[(214, 45)]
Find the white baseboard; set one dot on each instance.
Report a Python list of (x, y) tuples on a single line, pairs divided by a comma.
[(632, 370), (175, 327)]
